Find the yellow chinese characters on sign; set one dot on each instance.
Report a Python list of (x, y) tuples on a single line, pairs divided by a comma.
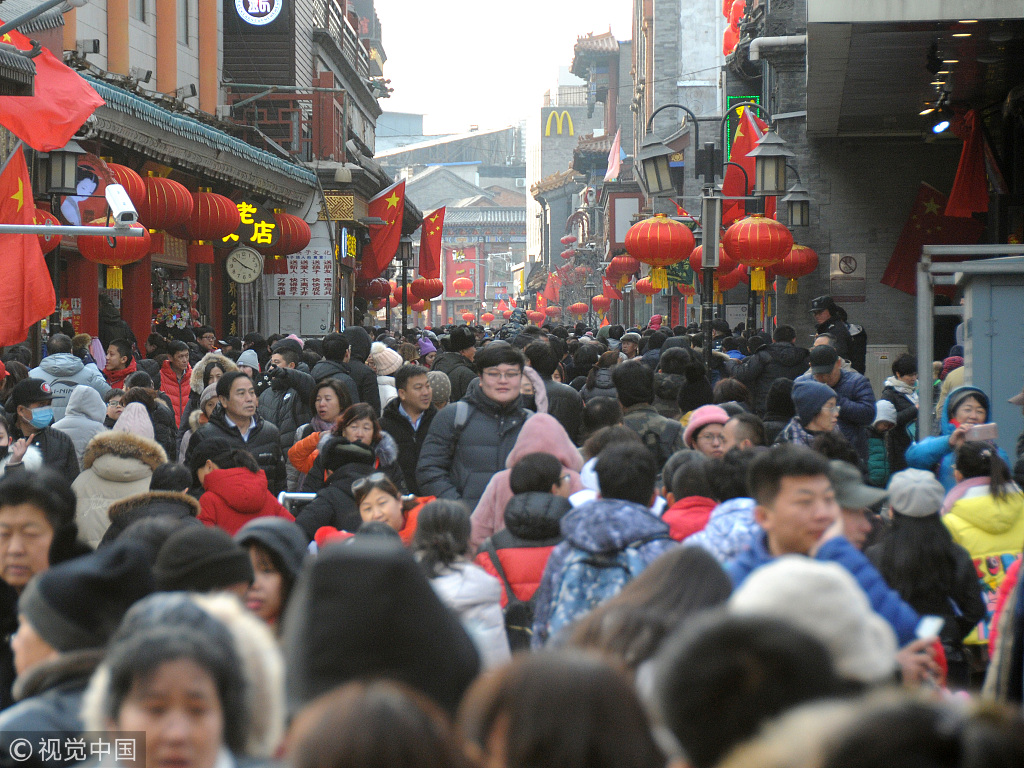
[(258, 226)]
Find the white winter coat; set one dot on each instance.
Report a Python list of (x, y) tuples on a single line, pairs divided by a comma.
[(475, 596), (387, 390), (83, 419)]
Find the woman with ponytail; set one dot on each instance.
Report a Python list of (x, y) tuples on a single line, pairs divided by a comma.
[(986, 519), (441, 545)]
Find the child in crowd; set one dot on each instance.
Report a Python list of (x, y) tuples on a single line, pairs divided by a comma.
[(880, 448)]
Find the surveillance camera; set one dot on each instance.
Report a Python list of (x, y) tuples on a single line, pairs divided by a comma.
[(121, 207)]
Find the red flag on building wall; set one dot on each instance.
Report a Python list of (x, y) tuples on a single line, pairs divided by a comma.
[(970, 188), (388, 205), (609, 289), (63, 100), (926, 226), (430, 244), (26, 292), (553, 287), (750, 129)]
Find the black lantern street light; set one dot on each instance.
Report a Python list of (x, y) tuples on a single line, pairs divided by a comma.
[(770, 155), (591, 288), (61, 179), (405, 258), (798, 202)]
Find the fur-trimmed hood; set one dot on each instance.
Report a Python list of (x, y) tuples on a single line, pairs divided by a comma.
[(123, 445), (200, 368), (151, 502), (194, 422)]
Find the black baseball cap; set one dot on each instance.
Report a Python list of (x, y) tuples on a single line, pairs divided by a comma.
[(823, 303), (28, 391), (231, 341), (823, 359)]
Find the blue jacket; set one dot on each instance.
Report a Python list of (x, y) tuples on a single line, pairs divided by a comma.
[(602, 526), (856, 401), (935, 453), (729, 531), (884, 600)]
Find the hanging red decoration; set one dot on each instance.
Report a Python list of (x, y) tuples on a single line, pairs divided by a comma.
[(801, 262), (728, 282), (622, 268), (758, 242), (581, 273), (114, 252), (646, 288), (167, 204), (726, 263), (131, 181), (41, 217), (202, 253), (536, 316), (567, 239), (213, 217), (553, 311), (486, 318), (579, 309), (375, 289), (600, 303), (294, 235), (272, 265), (685, 289), (418, 306), (660, 242), (396, 296), (468, 317), (462, 285), (427, 287), (568, 253), (507, 313)]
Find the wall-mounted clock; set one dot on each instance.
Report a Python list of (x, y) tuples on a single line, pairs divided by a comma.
[(244, 265)]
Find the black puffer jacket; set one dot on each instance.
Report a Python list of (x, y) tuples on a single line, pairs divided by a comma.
[(286, 403), (778, 360), (459, 370), (410, 441), (385, 459), (459, 466), (666, 393), (365, 378), (603, 386), (174, 506), (264, 444), (332, 369), (566, 405), (57, 448)]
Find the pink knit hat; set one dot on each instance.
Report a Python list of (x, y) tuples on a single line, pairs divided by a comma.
[(706, 414), (135, 419)]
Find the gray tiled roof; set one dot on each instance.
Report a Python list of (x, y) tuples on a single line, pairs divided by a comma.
[(12, 9)]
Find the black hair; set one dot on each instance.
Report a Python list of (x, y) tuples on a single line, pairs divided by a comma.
[(110, 394), (150, 532), (977, 459), (138, 379), (731, 390), (616, 332), (692, 476), (602, 438), (288, 578), (784, 333), (406, 372), (340, 390), (535, 472), (375, 482), (236, 458), (749, 427), (917, 558), (209, 368), (597, 413), (730, 343), (379, 529), (585, 358), (787, 460), (204, 451), (442, 535), (335, 347), (728, 476), (171, 476), (656, 339), (498, 354), (291, 355), (753, 667), (542, 358), (904, 365), (633, 382), (674, 360), (833, 445), (226, 381), (124, 347), (636, 485), (175, 346), (58, 344), (44, 489)]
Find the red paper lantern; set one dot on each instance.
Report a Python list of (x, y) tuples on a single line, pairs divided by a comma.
[(600, 303), (686, 289), (731, 280), (660, 242), (114, 252), (131, 181), (506, 313), (213, 217), (581, 274), (646, 288), (418, 306), (167, 204), (553, 311), (293, 235), (469, 317), (800, 262), (375, 289), (758, 242), (568, 253), (462, 285), (579, 309), (396, 296), (486, 318), (622, 268), (536, 316), (272, 265), (426, 287), (567, 239), (41, 217), (726, 263)]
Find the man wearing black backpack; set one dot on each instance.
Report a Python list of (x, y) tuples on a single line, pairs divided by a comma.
[(608, 542), (634, 383), (831, 319)]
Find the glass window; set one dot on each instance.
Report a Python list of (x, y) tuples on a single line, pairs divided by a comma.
[(138, 10), (183, 6)]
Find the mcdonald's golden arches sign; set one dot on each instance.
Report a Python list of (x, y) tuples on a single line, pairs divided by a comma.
[(563, 121)]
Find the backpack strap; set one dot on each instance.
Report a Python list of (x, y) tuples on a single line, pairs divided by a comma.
[(463, 410), (492, 553)]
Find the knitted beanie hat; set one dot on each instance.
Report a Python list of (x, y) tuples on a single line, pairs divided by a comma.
[(79, 603), (700, 418), (884, 411), (386, 360), (461, 337), (809, 397), (208, 394), (135, 420), (200, 559), (915, 493), (440, 385), (426, 346), (249, 358)]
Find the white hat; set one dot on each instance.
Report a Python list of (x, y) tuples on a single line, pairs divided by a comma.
[(884, 411), (915, 493), (825, 601)]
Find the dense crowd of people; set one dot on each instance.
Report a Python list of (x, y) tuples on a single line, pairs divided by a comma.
[(516, 548)]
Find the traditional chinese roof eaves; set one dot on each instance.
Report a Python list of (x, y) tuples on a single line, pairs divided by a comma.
[(12, 9), (219, 155), (467, 216), (592, 143), (591, 47), (20, 69), (556, 181)]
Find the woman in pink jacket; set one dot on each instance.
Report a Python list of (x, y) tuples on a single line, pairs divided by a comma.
[(541, 433)]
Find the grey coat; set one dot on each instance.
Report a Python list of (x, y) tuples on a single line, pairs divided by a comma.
[(83, 419)]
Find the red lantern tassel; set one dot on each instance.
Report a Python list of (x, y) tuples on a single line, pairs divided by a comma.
[(659, 278), (757, 280)]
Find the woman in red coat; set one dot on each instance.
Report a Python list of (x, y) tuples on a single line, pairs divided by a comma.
[(235, 491)]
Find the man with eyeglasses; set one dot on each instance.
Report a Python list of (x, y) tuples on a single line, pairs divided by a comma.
[(854, 396), (469, 440)]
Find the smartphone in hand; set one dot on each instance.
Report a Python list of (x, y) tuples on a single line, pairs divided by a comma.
[(982, 432)]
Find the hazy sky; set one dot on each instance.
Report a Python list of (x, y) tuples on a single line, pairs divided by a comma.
[(481, 62)]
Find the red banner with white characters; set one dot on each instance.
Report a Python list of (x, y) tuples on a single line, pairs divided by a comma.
[(460, 264)]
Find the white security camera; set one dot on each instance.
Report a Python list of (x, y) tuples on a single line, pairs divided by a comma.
[(121, 207)]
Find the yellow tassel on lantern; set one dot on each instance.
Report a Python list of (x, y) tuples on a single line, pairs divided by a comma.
[(659, 278), (623, 279), (757, 280), (648, 300), (114, 281), (791, 286)]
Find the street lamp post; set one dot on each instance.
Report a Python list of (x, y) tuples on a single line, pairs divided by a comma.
[(61, 179), (405, 256)]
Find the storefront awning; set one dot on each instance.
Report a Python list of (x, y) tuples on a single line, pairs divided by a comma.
[(187, 143)]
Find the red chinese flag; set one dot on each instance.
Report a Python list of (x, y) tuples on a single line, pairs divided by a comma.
[(970, 188), (502, 306), (63, 100), (388, 205), (553, 287), (542, 301), (926, 226), (748, 132), (26, 292), (430, 244), (608, 289)]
